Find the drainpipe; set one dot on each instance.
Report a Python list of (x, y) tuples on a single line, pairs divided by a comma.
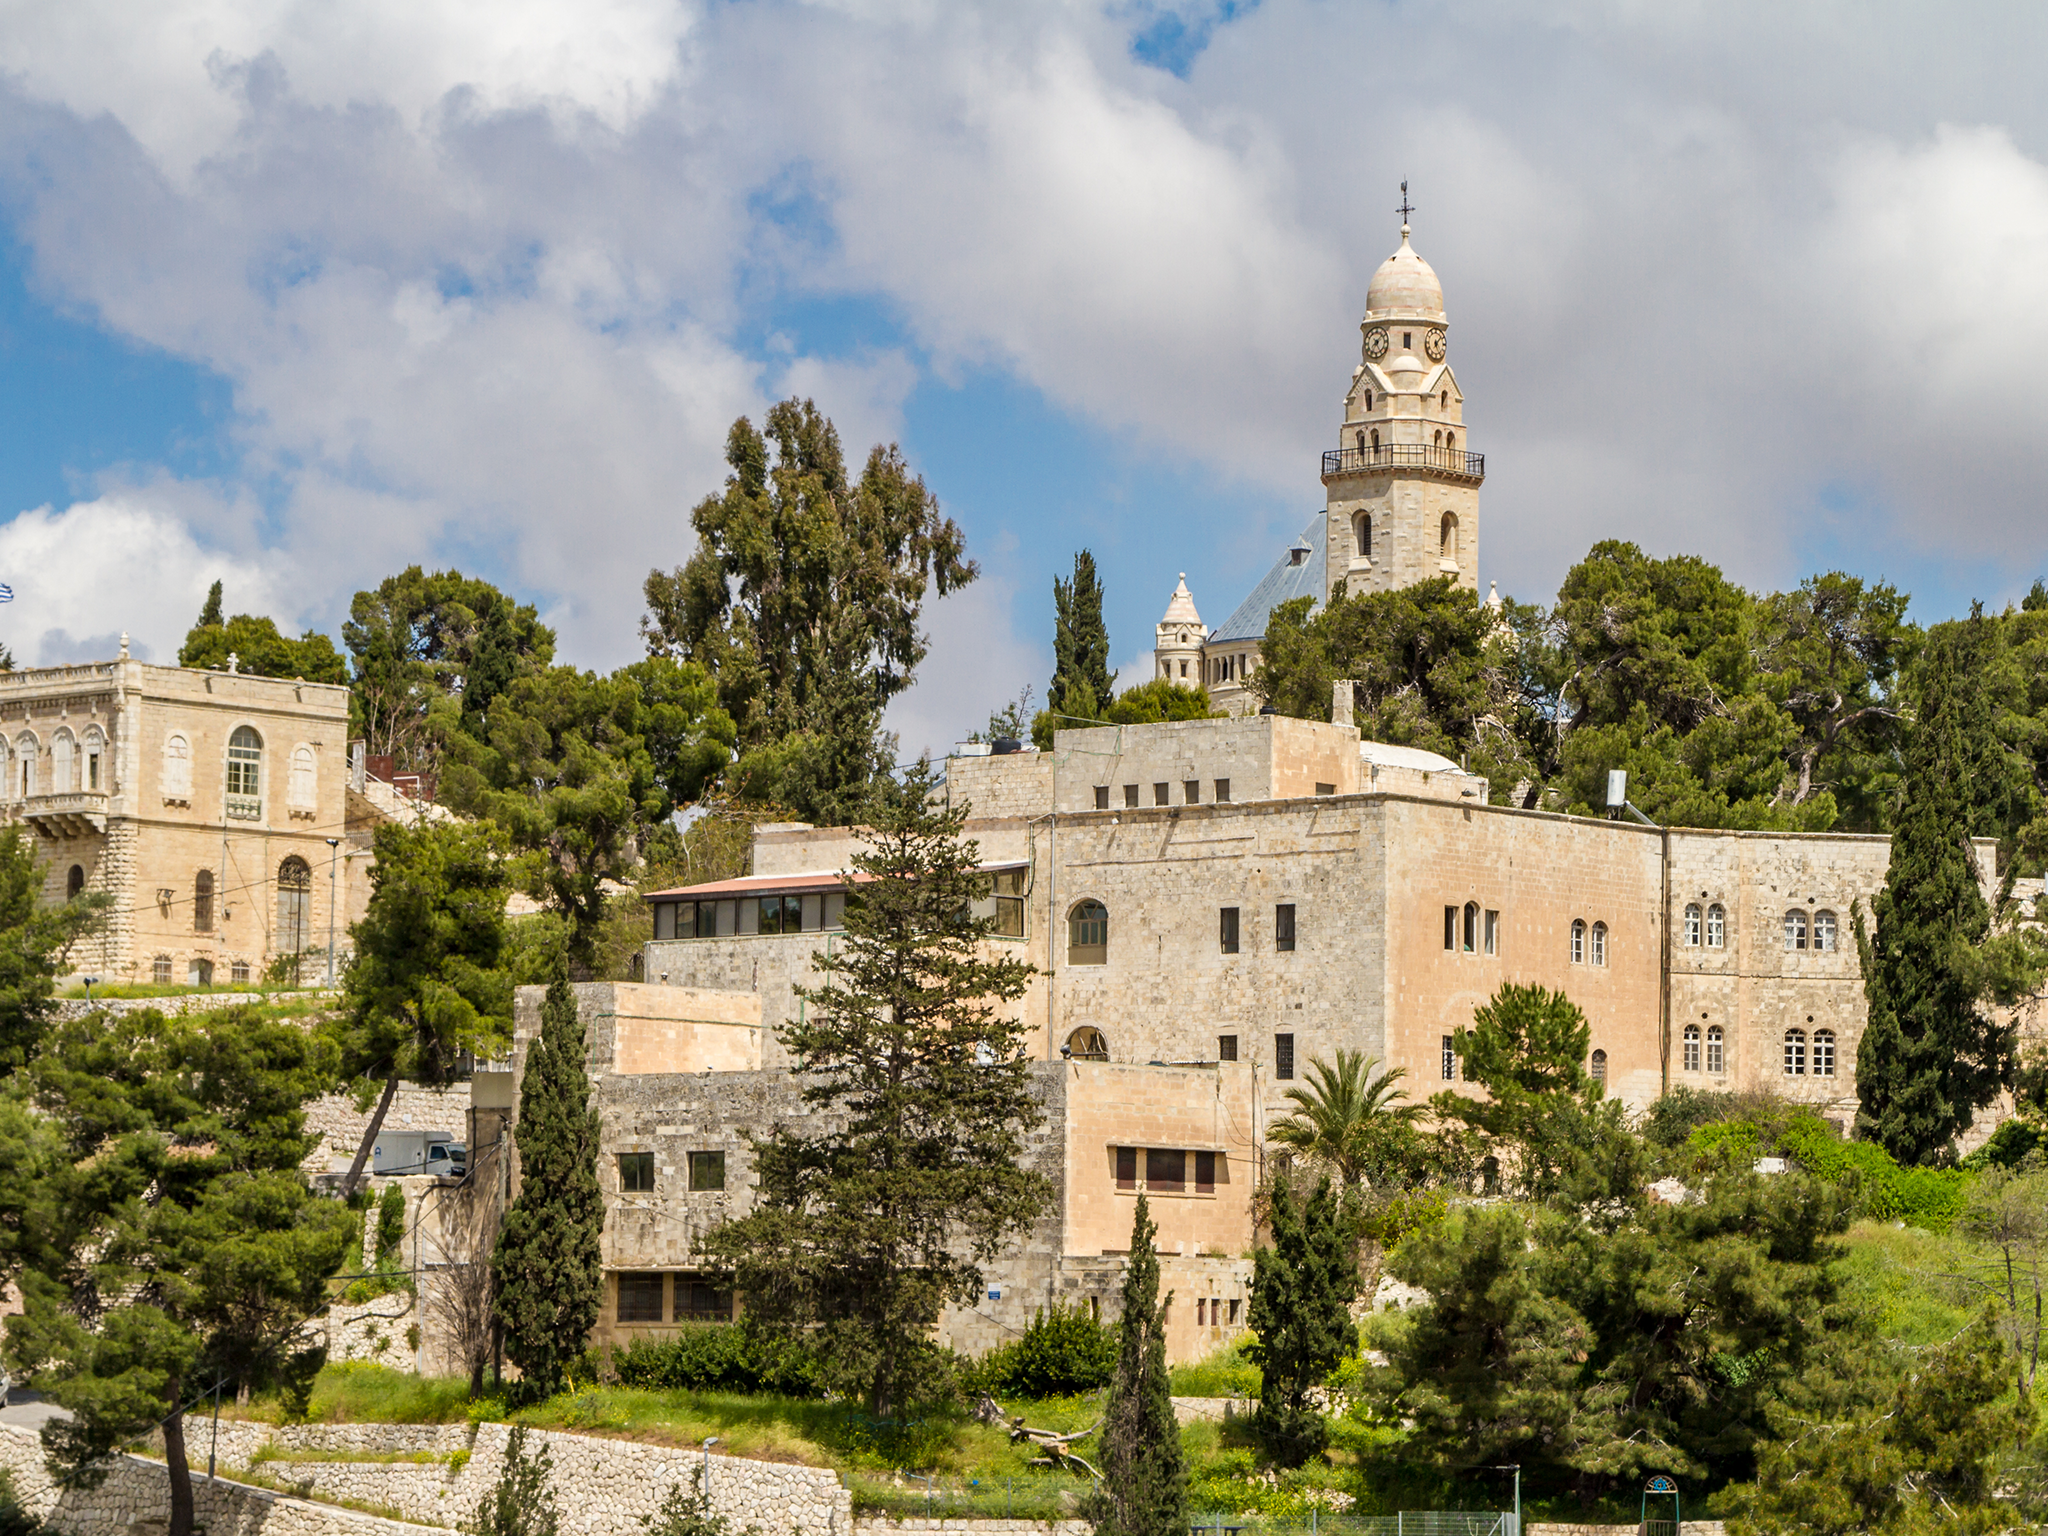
[(1664, 973)]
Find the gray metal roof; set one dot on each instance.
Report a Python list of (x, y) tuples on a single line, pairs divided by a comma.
[(1285, 582)]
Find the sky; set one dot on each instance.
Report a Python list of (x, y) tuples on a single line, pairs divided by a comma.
[(294, 295)]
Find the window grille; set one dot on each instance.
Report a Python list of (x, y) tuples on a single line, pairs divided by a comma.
[(1160, 795), (1191, 791), (160, 970), (1450, 1060), (1598, 1070), (1283, 926), (1226, 1047), (1102, 797), (640, 1298), (1795, 1053), (1283, 1056), (1131, 796), (202, 901), (1223, 791), (1823, 1053)]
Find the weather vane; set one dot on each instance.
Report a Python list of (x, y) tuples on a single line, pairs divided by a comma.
[(1404, 210)]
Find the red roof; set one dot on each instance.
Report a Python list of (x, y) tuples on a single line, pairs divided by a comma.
[(777, 885)]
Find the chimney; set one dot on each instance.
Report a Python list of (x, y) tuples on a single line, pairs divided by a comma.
[(1341, 694)]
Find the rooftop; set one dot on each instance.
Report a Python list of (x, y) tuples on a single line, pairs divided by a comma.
[(1296, 575)]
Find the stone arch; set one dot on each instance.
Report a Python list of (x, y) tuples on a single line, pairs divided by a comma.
[(294, 905), (1447, 536), (1088, 933), (1087, 1044)]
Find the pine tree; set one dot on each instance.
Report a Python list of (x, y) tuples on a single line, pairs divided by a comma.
[(549, 1273), (1144, 1477), (522, 1501), (209, 616), (1302, 1288), (1930, 1057), (1082, 684)]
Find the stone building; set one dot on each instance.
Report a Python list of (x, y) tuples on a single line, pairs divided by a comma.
[(209, 805)]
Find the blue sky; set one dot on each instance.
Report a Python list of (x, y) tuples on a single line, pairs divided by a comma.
[(294, 297)]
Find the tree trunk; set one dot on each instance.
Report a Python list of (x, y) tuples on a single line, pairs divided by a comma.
[(180, 1471), (355, 1169)]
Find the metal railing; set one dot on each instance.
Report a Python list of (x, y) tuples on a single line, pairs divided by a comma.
[(1454, 462)]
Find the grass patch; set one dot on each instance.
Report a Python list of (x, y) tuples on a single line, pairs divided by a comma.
[(1226, 1373), (1902, 1277)]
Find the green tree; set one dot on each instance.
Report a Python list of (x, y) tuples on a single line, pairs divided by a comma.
[(865, 1231), (35, 939), (548, 1274), (1930, 1056), (690, 1514), (522, 1501), (1349, 1118), (1157, 701), (1302, 1290), (1081, 680), (184, 1248), (1144, 1473), (258, 647), (803, 600), (418, 638), (428, 981), (1527, 1047)]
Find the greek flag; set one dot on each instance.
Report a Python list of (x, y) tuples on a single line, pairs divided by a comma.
[(6, 593)]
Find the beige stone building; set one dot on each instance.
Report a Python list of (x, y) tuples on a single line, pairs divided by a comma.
[(210, 806)]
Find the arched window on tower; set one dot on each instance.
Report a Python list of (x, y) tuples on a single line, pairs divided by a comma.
[(74, 882), (1823, 1053), (1368, 399), (1444, 400), (1795, 929), (1598, 1069), (1448, 536), (1599, 943), (1361, 532), (1795, 1053), (1450, 441), (1375, 441), (245, 775), (1578, 941), (1717, 926), (1436, 439), (1361, 441)]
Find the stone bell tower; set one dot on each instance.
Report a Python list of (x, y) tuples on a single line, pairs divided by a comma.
[(1402, 485), (1177, 642)]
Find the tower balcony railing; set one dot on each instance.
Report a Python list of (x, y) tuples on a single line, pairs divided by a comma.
[(1454, 462)]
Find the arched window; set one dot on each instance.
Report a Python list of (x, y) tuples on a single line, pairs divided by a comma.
[(1361, 530), (95, 750), (1471, 926), (1361, 442), (1599, 943), (1375, 440), (1448, 536), (1692, 1047), (1824, 929), (1692, 925), (1088, 934), (160, 970), (74, 882), (1087, 1044), (1795, 1053), (202, 902), (1823, 1053), (1578, 941), (1716, 1057), (199, 973), (1598, 1070), (303, 786), (245, 774), (63, 763), (26, 751), (1368, 399), (1450, 440), (294, 903), (1436, 439), (177, 770), (1717, 926), (1443, 400), (1795, 929)]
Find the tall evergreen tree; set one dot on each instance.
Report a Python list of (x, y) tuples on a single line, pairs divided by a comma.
[(867, 1230), (549, 1273), (211, 613), (1930, 1056), (1302, 1289), (1144, 1476), (1082, 684)]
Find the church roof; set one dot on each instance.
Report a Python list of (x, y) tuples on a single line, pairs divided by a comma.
[(1299, 574)]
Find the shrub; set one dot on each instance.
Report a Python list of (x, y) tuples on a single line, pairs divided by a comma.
[(1881, 1189), (390, 1223), (522, 1503), (719, 1357), (1063, 1353), (2010, 1145)]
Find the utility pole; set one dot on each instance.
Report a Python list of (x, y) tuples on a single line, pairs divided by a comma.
[(333, 863)]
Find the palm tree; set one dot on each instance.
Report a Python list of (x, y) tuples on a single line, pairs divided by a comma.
[(1341, 1118)]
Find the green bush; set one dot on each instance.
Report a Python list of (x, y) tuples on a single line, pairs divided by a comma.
[(719, 1357), (1882, 1189), (390, 1223), (2010, 1145), (1063, 1353)]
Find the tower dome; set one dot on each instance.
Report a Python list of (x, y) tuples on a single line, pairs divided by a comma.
[(1405, 285)]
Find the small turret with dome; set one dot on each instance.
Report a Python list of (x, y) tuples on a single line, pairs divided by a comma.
[(1403, 485), (1180, 636)]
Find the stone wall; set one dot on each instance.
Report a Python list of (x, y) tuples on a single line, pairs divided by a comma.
[(340, 1125)]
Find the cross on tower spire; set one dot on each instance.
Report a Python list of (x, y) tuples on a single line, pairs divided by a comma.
[(1404, 210)]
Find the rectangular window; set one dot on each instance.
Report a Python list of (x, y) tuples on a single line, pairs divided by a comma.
[(1131, 797), (1165, 1171), (636, 1172), (1716, 1061), (1226, 1047), (697, 1302), (1283, 1056), (238, 971), (664, 919), (1102, 797), (1326, 789), (1283, 926), (729, 917), (1450, 1060), (1126, 1167), (92, 770), (1201, 1311), (686, 920), (1228, 934), (639, 1298), (1450, 928), (1205, 1173), (160, 970), (835, 909), (813, 913), (1233, 1314), (1191, 791), (707, 1172), (1009, 890), (1223, 791), (1492, 932), (1159, 793)]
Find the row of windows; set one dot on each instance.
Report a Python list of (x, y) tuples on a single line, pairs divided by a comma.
[(1469, 931), (1088, 931), (1802, 1057), (198, 972), (1596, 1067), (1708, 926), (1166, 1170), (1447, 528), (74, 762), (815, 912), (1162, 793), (1589, 945), (643, 1298), (244, 774), (706, 1169), (1234, 668)]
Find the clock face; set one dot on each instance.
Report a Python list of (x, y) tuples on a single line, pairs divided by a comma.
[(1376, 343), (1433, 344)]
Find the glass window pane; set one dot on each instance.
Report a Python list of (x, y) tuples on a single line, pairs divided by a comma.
[(664, 919), (1126, 1167), (1283, 1056), (640, 1298), (1165, 1170), (707, 1171), (1205, 1173)]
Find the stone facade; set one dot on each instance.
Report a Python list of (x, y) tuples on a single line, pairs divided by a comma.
[(123, 769)]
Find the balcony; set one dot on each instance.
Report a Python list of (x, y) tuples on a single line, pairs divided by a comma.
[(82, 813), (1451, 463)]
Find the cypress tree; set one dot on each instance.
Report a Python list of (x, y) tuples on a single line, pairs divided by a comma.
[(210, 614), (1144, 1478), (1929, 1057), (1302, 1289), (549, 1275), (1082, 684)]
